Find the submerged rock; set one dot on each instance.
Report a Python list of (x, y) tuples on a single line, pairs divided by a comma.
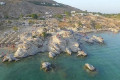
[(46, 66), (82, 54), (90, 67)]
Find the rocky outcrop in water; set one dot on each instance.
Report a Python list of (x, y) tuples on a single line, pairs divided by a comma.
[(98, 39), (46, 66), (90, 67), (82, 54), (94, 39)]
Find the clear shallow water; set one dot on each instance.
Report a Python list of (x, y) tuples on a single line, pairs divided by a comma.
[(104, 57)]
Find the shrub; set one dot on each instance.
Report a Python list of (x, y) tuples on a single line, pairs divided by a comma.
[(21, 16), (44, 34), (79, 23), (59, 16), (33, 36), (31, 22), (15, 28), (34, 16), (98, 26), (68, 13), (42, 18), (9, 21)]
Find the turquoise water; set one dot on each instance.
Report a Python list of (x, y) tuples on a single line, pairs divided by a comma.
[(105, 57)]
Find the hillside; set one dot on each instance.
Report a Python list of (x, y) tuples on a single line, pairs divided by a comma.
[(15, 8)]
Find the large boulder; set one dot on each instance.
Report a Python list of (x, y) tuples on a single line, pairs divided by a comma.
[(82, 54), (90, 67), (46, 66)]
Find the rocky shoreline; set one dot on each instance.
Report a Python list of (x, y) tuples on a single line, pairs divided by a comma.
[(54, 41)]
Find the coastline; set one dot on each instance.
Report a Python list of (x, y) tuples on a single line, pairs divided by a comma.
[(54, 47)]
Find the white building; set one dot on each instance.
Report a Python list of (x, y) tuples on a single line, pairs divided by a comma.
[(73, 12), (2, 3), (97, 15)]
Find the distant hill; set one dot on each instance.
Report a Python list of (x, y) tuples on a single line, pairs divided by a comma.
[(15, 8)]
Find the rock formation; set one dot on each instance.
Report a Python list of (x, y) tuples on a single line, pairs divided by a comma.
[(82, 54), (90, 67), (57, 42), (46, 66)]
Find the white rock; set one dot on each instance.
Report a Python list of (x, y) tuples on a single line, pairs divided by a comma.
[(90, 67), (52, 55), (68, 51), (62, 41), (82, 53), (98, 39)]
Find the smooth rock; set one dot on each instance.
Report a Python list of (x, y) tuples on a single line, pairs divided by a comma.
[(90, 67), (82, 53)]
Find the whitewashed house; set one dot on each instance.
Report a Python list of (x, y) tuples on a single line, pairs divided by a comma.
[(73, 12), (2, 3)]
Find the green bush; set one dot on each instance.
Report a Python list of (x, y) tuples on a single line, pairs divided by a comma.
[(31, 22), (98, 26), (34, 16), (68, 13), (79, 23), (44, 34), (21, 16), (15, 28), (42, 18), (6, 16), (33, 36), (59, 16)]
